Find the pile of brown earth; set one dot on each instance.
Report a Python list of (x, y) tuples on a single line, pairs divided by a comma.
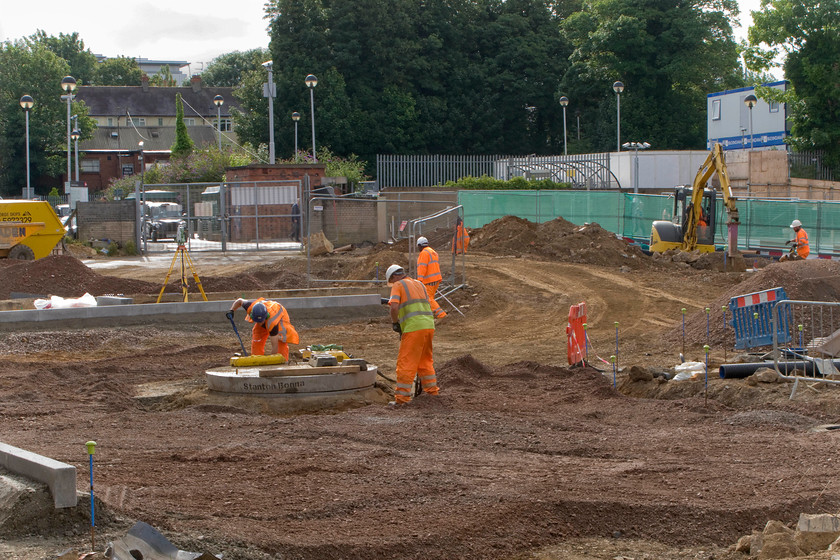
[(810, 280), (558, 239)]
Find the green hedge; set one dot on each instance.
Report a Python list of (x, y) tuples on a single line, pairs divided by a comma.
[(485, 182)]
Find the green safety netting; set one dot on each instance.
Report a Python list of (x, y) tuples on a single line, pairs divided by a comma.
[(765, 224)]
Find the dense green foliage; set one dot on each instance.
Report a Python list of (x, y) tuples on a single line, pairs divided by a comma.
[(228, 69), (183, 145), (29, 68), (82, 63), (120, 71), (483, 76), (486, 182), (809, 33)]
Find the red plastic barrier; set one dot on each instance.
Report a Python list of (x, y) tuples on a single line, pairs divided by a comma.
[(576, 334)]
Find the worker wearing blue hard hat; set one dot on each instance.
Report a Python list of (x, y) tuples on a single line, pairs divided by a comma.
[(271, 323)]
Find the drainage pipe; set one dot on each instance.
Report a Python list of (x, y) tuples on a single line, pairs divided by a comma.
[(739, 371)]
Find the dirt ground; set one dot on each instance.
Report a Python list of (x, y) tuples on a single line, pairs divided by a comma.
[(519, 457)]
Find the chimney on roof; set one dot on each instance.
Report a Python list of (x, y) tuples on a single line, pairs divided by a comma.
[(196, 83), (144, 81)]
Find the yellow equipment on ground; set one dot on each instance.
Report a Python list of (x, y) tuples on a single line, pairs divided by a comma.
[(29, 229), (252, 361), (695, 205)]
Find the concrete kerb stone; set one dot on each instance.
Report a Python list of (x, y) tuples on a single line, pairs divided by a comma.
[(60, 477), (128, 314)]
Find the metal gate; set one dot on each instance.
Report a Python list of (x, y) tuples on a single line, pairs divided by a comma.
[(814, 335)]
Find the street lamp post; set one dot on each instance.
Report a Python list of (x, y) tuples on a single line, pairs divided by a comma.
[(68, 84), (75, 136), (27, 102), (636, 146), (268, 91), (311, 82), (296, 118), (750, 102), (564, 102), (577, 114), (218, 101), (618, 87)]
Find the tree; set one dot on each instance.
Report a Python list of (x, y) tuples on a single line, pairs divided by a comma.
[(71, 48), (669, 55), (227, 70), (163, 78), (29, 68), (807, 31), (183, 143), (120, 71)]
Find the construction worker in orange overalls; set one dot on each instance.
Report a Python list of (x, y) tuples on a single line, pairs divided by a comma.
[(462, 238), (800, 243), (428, 272), (271, 323), (411, 315)]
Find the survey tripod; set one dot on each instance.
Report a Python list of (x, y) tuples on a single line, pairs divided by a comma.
[(186, 261)]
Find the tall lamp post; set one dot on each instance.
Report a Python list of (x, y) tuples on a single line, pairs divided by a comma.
[(564, 102), (27, 102), (311, 82), (750, 102), (636, 146), (75, 136), (218, 101), (618, 87), (68, 84), (296, 118), (268, 91)]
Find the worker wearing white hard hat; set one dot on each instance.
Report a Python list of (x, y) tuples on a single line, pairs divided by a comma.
[(800, 243), (411, 315), (428, 272)]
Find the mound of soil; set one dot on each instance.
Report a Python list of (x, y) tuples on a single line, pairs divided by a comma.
[(810, 280), (559, 240)]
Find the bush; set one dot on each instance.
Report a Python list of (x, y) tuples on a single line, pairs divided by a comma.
[(485, 182), (113, 249)]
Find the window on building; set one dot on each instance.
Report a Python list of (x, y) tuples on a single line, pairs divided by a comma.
[(160, 121), (716, 109), (136, 121), (226, 125), (110, 121), (774, 106), (89, 166), (189, 122)]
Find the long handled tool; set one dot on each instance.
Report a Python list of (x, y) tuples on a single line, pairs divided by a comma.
[(91, 449), (229, 315)]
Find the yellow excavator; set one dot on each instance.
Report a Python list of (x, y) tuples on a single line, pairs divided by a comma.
[(695, 212)]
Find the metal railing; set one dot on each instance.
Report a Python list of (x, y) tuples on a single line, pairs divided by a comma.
[(809, 165)]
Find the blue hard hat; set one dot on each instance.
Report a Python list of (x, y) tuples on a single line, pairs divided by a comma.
[(259, 313)]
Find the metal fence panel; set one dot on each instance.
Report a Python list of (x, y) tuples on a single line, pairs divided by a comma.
[(808, 351)]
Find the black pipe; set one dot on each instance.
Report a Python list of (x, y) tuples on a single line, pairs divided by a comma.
[(739, 371)]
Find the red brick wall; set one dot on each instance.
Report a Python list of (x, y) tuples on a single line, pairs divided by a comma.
[(281, 172)]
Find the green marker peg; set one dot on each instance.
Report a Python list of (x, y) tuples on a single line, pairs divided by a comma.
[(707, 310), (612, 359), (91, 447), (800, 327), (706, 347), (683, 310)]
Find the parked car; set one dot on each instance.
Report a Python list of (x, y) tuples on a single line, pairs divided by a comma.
[(161, 220), (68, 220)]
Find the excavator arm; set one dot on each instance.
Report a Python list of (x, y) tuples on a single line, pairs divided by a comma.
[(714, 164)]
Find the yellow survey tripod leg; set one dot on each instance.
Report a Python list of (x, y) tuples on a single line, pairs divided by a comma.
[(186, 261)]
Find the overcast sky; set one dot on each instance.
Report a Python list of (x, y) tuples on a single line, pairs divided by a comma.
[(196, 31)]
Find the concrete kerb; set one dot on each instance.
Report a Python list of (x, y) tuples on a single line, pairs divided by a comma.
[(361, 305), (60, 477)]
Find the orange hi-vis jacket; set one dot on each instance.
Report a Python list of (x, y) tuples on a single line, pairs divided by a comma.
[(802, 247), (278, 318), (428, 266), (462, 238)]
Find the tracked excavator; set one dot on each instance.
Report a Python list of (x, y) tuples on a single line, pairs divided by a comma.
[(695, 215)]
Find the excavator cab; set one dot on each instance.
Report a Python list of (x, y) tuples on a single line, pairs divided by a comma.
[(667, 235)]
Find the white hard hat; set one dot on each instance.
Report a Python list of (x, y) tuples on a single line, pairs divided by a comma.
[(795, 223), (422, 241), (394, 268)]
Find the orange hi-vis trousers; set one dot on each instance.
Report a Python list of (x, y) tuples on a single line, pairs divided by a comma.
[(259, 336), (415, 358), (437, 310)]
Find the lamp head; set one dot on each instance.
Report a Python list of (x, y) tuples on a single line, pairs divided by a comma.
[(68, 83), (27, 102), (218, 101), (564, 101), (268, 64), (618, 87), (295, 116), (311, 81), (76, 134), (750, 101)]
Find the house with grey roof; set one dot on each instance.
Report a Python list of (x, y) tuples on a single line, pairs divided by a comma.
[(129, 115)]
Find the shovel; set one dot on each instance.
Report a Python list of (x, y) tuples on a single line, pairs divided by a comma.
[(229, 315)]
